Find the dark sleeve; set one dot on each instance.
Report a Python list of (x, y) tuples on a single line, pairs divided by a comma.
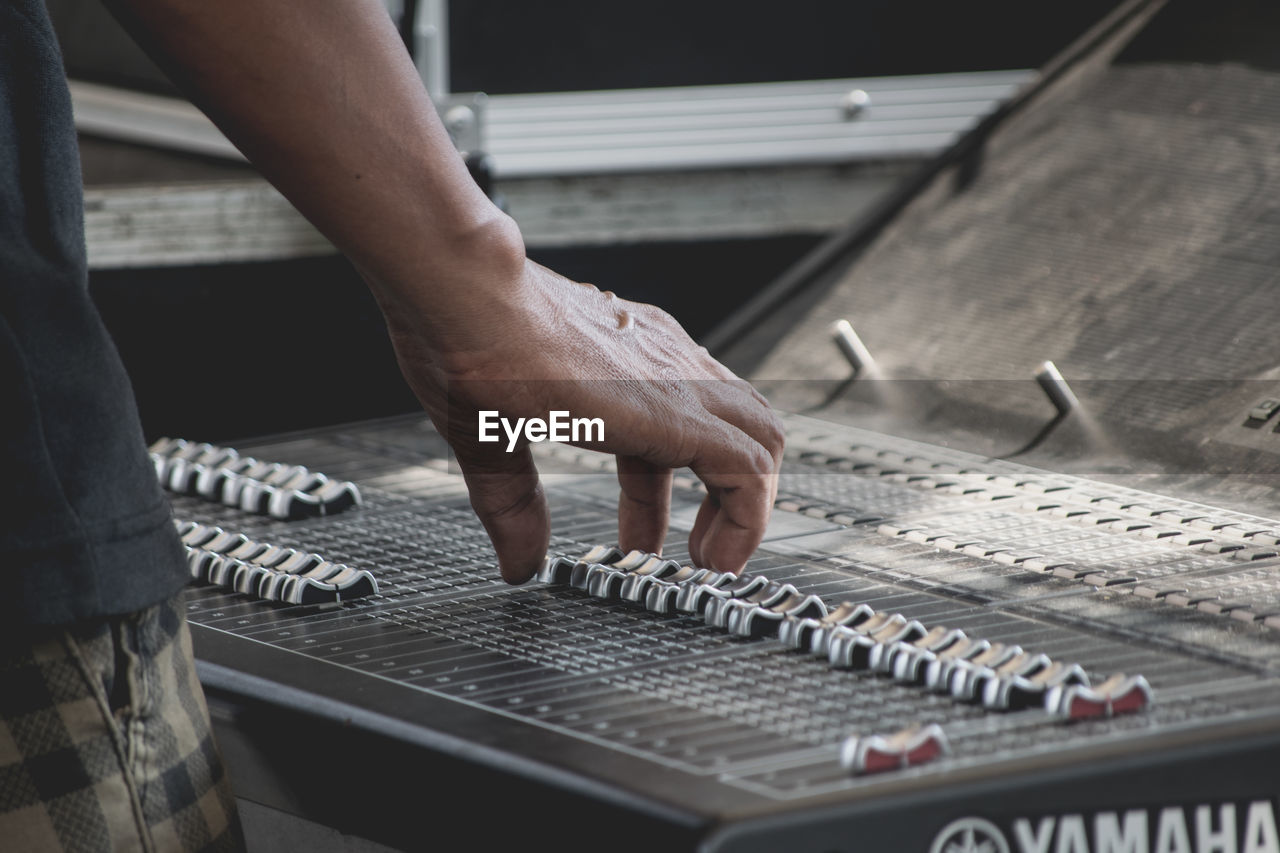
[(85, 530)]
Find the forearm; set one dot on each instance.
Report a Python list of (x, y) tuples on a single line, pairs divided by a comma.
[(324, 100)]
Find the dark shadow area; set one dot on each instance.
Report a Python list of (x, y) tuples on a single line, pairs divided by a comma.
[(220, 352), (697, 282), (579, 44), (502, 47), (410, 794), (1211, 32)]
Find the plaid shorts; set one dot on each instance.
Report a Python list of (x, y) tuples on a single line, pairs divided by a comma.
[(105, 741)]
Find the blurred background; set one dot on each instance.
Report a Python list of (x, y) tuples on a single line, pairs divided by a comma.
[(682, 153)]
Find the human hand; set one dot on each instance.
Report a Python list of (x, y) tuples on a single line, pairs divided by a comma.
[(541, 343), (475, 325)]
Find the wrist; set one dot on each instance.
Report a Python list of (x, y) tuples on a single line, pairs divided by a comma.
[(453, 291)]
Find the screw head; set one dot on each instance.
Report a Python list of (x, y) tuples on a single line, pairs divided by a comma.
[(460, 119), (854, 102)]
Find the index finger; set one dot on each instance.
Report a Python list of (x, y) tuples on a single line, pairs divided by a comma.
[(739, 474)]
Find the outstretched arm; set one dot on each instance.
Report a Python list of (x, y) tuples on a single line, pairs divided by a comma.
[(324, 100)]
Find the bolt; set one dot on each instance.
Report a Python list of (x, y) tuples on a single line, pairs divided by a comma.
[(854, 103), (459, 120)]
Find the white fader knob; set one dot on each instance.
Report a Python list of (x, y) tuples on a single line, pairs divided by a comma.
[(855, 352), (1056, 388)]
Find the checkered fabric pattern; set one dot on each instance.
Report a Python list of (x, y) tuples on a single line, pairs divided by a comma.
[(105, 741)]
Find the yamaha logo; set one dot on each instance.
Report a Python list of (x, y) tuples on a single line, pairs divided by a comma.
[(1224, 827), (970, 835)]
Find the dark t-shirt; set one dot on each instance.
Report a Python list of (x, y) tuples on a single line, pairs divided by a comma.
[(85, 530)]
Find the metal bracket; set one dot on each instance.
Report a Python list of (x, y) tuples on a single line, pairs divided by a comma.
[(464, 117), (463, 114)]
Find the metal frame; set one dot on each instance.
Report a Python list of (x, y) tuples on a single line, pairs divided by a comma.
[(642, 130), (248, 220), (701, 127), (431, 45), (592, 167)]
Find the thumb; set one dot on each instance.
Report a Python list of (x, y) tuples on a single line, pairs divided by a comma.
[(507, 496)]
